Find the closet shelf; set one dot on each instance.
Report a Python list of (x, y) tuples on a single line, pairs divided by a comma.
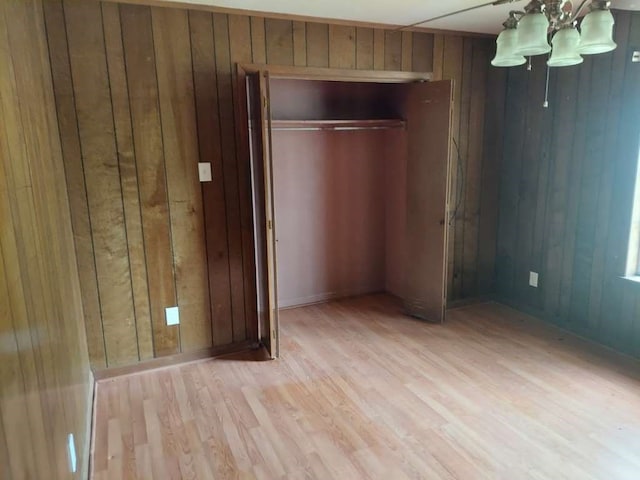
[(313, 125)]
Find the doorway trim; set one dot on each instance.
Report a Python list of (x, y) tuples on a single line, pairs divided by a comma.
[(243, 139)]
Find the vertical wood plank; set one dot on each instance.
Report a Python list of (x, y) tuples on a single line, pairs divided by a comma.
[(452, 70), (539, 215), (378, 49), (530, 151), (128, 177), (20, 371), (300, 44), (279, 37), (230, 167), (68, 126), (422, 52), (100, 162), (490, 187), (258, 40), (589, 191), (438, 56), (565, 104), (140, 63), (407, 51), (239, 33), (462, 158), (46, 380), (175, 90), (573, 199), (626, 148), (364, 48), (342, 46), (392, 50), (213, 193), (614, 105), (317, 45), (473, 181), (514, 124)]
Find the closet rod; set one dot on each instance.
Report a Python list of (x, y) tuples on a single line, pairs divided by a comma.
[(337, 128), (337, 125)]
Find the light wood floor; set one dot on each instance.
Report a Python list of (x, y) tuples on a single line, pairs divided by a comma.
[(362, 392)]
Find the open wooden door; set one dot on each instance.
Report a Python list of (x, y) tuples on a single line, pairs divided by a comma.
[(258, 109), (428, 114)]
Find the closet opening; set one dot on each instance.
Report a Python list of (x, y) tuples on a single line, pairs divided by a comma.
[(350, 180)]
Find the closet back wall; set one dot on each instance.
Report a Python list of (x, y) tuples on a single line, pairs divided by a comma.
[(144, 93)]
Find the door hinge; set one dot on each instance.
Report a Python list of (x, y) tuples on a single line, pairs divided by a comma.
[(269, 225), (265, 103)]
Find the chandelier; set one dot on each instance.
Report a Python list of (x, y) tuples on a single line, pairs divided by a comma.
[(527, 33)]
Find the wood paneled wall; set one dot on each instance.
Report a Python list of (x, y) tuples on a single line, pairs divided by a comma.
[(46, 384), (143, 93), (566, 192)]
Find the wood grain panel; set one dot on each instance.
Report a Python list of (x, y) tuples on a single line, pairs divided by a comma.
[(177, 100), (168, 86), (104, 192), (213, 193), (378, 49), (364, 48), (128, 177), (392, 50), (279, 36), (473, 178), (452, 68), (300, 44), (342, 46), (317, 45), (407, 51), (616, 237), (239, 34), (438, 56), (491, 160), (137, 38), (230, 166), (46, 381), (462, 155), (422, 52), (67, 119), (576, 184), (258, 40)]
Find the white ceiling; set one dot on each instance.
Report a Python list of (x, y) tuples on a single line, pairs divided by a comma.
[(396, 12)]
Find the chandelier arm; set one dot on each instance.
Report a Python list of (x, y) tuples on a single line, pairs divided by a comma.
[(464, 10), (579, 11)]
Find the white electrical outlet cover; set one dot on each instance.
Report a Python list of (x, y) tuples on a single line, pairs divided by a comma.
[(71, 451), (533, 279), (172, 315), (204, 171)]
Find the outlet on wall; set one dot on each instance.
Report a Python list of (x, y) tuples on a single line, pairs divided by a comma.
[(172, 315), (533, 279), (204, 171)]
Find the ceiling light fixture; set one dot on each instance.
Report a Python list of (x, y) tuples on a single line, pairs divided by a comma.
[(526, 33)]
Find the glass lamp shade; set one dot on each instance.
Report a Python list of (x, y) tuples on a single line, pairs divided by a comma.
[(565, 48), (532, 35), (505, 51), (597, 33)]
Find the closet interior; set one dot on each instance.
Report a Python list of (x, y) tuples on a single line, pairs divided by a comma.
[(350, 182), (339, 155)]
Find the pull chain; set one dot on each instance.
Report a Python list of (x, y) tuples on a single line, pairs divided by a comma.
[(529, 66), (546, 89)]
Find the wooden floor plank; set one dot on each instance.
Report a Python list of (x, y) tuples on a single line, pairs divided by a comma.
[(490, 394)]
